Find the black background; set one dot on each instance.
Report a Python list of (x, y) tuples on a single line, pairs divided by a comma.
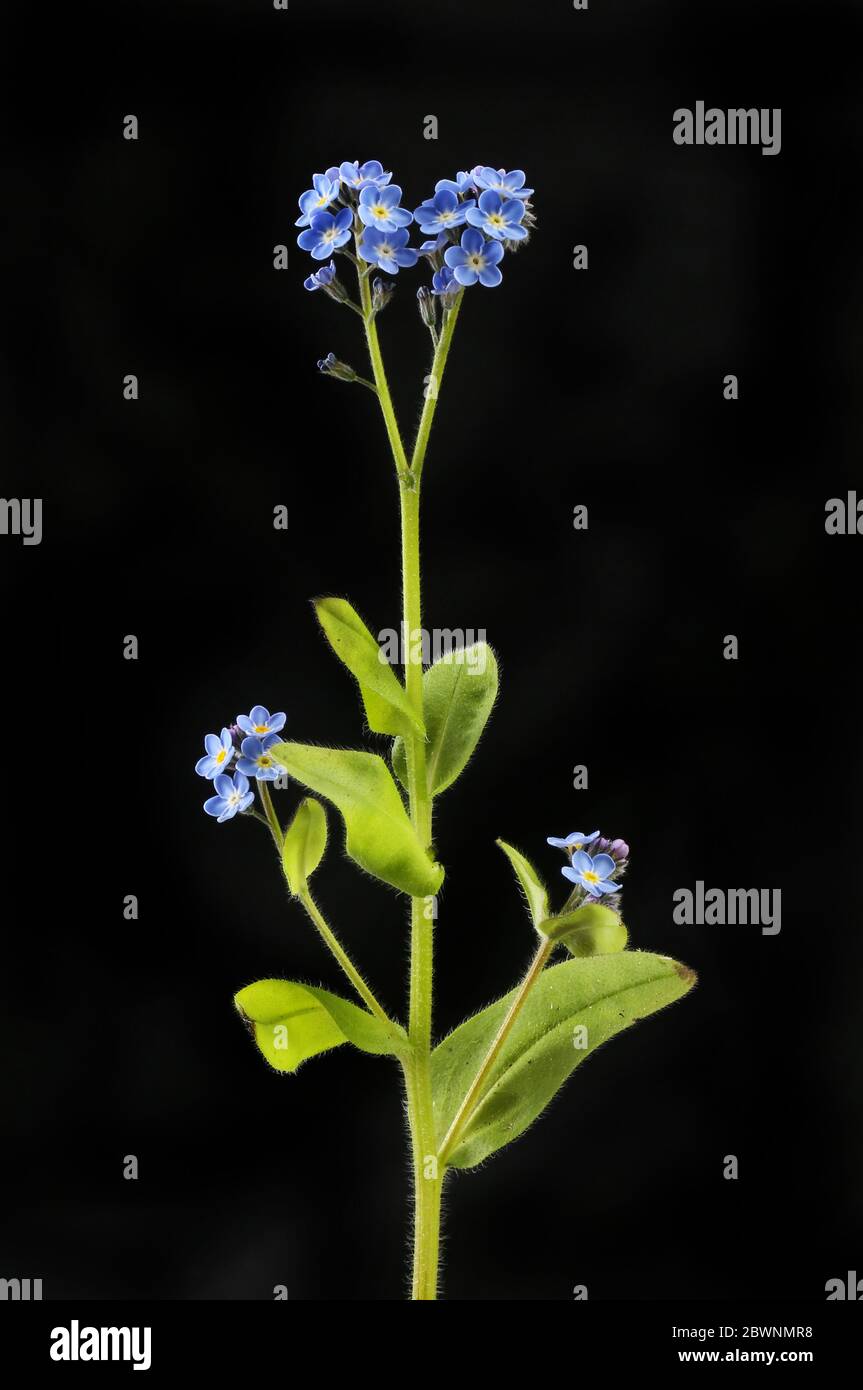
[(706, 518)]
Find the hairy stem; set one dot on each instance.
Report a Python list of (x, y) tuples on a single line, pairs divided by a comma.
[(428, 1172), (332, 942), (475, 1090)]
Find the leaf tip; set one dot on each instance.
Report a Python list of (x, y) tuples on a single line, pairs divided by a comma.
[(687, 975)]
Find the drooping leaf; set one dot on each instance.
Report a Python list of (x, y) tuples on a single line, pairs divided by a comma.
[(531, 883), (591, 930), (291, 1022), (388, 709), (379, 835), (304, 844), (459, 691), (573, 1008)]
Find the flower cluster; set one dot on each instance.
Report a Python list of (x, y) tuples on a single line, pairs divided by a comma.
[(244, 748), (596, 874), (472, 221)]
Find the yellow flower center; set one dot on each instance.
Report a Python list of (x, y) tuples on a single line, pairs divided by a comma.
[(221, 755), (261, 728), (265, 761), (590, 876)]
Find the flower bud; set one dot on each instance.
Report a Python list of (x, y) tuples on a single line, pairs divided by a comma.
[(427, 306), (382, 293), (331, 366)]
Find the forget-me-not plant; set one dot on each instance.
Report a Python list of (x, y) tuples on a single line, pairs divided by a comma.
[(486, 1082)]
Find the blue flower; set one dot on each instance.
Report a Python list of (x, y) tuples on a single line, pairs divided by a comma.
[(462, 183), (326, 233), (497, 218), (318, 199), (220, 750), (592, 874), (499, 181), (357, 175), (231, 797), (577, 840), (388, 250), (441, 212), (379, 207), (321, 278), (261, 722), (444, 282), (475, 259), (255, 759)]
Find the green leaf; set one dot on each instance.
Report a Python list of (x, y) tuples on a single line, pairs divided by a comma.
[(292, 1022), (304, 844), (531, 883), (388, 709), (380, 836), (458, 693), (603, 996), (591, 930)]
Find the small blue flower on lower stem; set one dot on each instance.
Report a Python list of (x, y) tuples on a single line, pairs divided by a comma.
[(321, 278), (475, 259), (326, 233), (592, 874), (379, 207), (260, 722), (255, 759), (508, 185), (387, 250), (357, 175), (232, 796), (577, 840), (318, 199), (443, 211), (498, 218), (220, 750)]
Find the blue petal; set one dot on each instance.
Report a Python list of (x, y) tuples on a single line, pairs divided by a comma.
[(205, 767), (247, 767), (490, 277), (472, 240), (582, 860), (603, 865), (214, 806), (570, 874)]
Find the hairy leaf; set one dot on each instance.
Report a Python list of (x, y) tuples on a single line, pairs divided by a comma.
[(531, 883), (459, 691), (379, 834), (304, 844), (292, 1022), (388, 709), (573, 1008), (591, 930)]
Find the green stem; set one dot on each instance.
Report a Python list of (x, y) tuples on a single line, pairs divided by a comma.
[(332, 941), (474, 1094), (428, 1171), (325, 931), (438, 367), (380, 376), (272, 818)]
